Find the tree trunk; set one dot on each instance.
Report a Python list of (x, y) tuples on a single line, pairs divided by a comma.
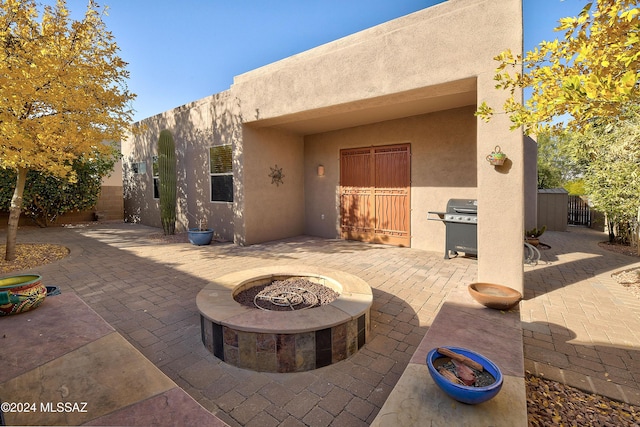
[(14, 215), (612, 234), (638, 232)]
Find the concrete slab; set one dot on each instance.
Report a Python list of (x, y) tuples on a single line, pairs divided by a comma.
[(41, 335), (172, 408), (461, 322), (85, 378), (418, 401)]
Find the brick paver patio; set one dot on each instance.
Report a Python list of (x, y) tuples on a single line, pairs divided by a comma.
[(580, 326)]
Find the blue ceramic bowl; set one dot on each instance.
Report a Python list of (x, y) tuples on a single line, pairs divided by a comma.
[(462, 393)]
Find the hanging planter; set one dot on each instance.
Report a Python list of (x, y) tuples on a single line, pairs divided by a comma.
[(497, 157)]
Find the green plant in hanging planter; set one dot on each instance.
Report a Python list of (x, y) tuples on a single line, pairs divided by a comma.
[(167, 178)]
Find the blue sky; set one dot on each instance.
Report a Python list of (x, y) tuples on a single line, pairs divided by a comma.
[(181, 51)]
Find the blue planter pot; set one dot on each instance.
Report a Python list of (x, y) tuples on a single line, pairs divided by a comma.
[(462, 393), (199, 238)]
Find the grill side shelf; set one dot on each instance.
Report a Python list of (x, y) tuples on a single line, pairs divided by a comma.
[(435, 216)]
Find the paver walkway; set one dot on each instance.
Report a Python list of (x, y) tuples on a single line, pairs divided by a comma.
[(146, 290), (582, 327)]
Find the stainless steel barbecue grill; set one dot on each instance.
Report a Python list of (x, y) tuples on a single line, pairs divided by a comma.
[(461, 226)]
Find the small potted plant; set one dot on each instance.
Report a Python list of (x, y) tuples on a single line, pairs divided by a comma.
[(201, 235), (532, 236)]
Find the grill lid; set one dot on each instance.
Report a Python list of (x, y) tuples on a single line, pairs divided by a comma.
[(462, 206)]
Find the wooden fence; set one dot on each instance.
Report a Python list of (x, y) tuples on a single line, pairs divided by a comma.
[(557, 209), (553, 209)]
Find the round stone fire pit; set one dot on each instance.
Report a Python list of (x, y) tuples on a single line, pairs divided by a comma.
[(288, 340)]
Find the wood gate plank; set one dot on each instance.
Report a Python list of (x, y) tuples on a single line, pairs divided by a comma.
[(375, 193)]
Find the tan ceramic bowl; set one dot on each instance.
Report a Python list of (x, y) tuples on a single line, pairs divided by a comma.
[(495, 296)]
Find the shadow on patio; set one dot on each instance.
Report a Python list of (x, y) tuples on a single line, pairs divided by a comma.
[(580, 326), (147, 291)]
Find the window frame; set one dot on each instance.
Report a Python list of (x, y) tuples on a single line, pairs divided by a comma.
[(155, 176), (227, 173), (139, 168)]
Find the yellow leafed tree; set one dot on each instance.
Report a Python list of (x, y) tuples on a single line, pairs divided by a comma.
[(590, 76), (63, 93)]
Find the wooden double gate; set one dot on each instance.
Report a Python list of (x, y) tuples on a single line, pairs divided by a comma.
[(375, 191)]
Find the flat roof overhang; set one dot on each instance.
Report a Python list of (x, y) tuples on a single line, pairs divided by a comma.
[(409, 103)]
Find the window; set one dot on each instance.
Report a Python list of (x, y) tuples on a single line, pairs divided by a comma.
[(139, 168), (156, 178), (221, 170)]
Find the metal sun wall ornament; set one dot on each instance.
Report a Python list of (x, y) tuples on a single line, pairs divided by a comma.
[(276, 175)]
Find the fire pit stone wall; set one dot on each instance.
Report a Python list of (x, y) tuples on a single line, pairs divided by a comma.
[(277, 341)]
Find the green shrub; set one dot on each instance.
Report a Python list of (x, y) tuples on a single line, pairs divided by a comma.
[(47, 197)]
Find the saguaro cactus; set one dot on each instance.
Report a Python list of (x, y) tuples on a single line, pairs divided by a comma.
[(167, 181)]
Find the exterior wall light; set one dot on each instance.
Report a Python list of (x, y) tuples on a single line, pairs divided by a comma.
[(320, 170)]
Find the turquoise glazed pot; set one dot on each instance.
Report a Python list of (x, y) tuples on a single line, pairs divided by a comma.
[(463, 393), (199, 238), (21, 293)]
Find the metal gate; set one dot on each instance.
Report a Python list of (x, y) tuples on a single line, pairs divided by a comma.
[(375, 188), (579, 212)]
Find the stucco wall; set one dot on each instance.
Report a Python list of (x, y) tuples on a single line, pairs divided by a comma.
[(448, 42), (195, 127), (443, 166), (437, 59), (413, 62), (530, 183), (272, 210)]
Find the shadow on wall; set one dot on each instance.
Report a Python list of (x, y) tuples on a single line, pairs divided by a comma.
[(196, 127), (135, 175), (356, 221)]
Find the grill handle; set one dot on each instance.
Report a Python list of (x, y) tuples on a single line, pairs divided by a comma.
[(464, 210)]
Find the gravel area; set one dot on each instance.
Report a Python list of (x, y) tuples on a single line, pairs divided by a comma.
[(619, 248), (550, 403), (31, 255), (629, 279)]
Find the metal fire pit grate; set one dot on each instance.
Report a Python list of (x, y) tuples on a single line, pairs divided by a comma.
[(289, 296)]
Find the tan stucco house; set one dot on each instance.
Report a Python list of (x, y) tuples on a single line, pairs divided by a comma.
[(303, 145)]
